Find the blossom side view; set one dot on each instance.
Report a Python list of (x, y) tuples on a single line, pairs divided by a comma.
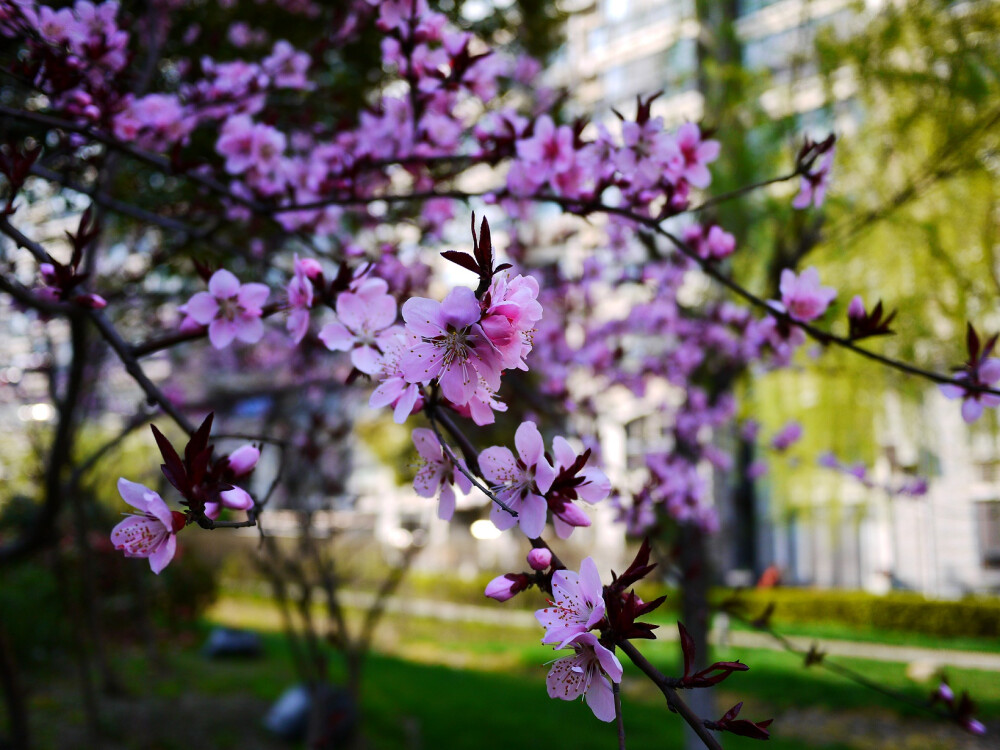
[(151, 533)]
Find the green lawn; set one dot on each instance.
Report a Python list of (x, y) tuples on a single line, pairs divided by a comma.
[(436, 685)]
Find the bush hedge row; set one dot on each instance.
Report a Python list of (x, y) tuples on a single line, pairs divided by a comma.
[(977, 617)]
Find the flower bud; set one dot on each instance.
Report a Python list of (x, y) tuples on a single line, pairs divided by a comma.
[(236, 499), (975, 726), (945, 693), (856, 310), (504, 587), (243, 460), (573, 515), (539, 559), (311, 267)]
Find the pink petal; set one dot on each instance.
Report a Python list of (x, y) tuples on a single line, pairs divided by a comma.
[(563, 452), (461, 308), (163, 554), (446, 507), (458, 382), (386, 393), (202, 308), (423, 316), (596, 488), (135, 494), (406, 404), (336, 337), (221, 333), (223, 284), (366, 359), (971, 410), (421, 363), (249, 329), (601, 699), (564, 681), (544, 475), (532, 515), (609, 662), (382, 312), (501, 518), (253, 296), (428, 480), (498, 464), (528, 441), (352, 310), (427, 444)]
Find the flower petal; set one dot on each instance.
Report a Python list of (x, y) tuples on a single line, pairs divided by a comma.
[(223, 284)]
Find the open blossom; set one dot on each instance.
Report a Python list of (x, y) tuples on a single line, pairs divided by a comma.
[(586, 673), (246, 144), (696, 155), (452, 348), (150, 533), (438, 474), (229, 309), (814, 184), (973, 402), (287, 66), (802, 296), (520, 484), (574, 481), (715, 244), (578, 603), (549, 149), (510, 317), (393, 389), (364, 327)]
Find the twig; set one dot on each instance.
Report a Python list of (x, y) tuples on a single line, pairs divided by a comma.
[(616, 689), (674, 701)]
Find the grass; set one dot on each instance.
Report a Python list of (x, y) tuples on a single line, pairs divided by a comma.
[(452, 685)]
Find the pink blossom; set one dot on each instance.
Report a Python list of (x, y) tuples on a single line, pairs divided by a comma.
[(973, 401), (364, 327), (814, 184), (511, 315), (716, 244), (586, 673), (229, 309), (802, 296), (155, 121), (549, 149), (452, 348), (393, 389), (520, 484), (249, 145), (578, 604), (150, 533), (438, 474), (287, 66), (696, 154)]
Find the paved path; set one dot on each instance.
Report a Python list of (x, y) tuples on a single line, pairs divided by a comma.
[(507, 617)]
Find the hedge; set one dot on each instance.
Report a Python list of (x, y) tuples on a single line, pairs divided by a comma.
[(977, 617)]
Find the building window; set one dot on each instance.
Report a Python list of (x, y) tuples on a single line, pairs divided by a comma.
[(988, 524)]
